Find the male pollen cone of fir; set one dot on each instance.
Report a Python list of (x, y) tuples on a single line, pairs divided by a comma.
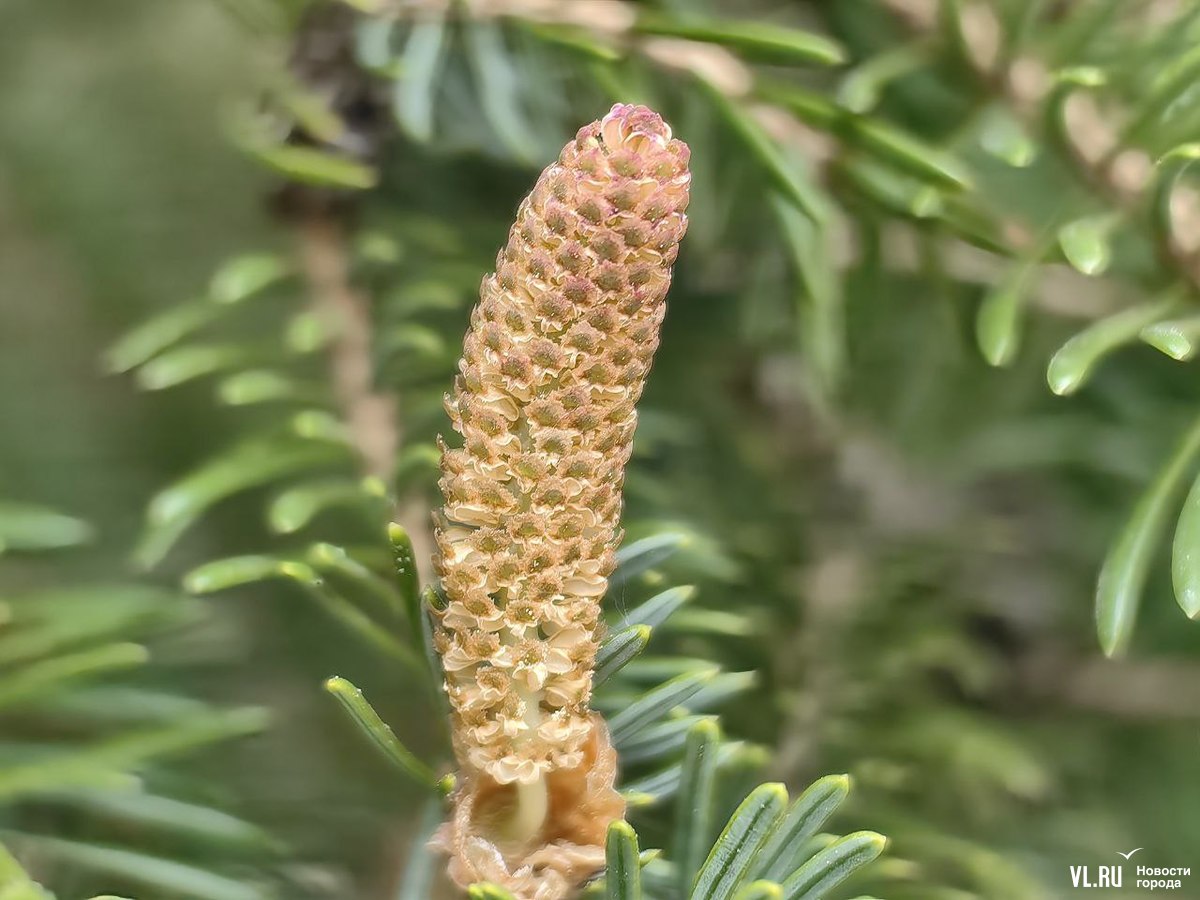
[(553, 364)]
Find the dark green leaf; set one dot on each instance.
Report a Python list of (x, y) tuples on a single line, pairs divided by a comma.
[(421, 867), (174, 509), (1177, 338), (322, 168), (296, 507), (355, 620), (94, 765), (68, 618), (739, 843), (373, 44), (623, 871), (163, 875), (499, 88), (37, 679), (406, 579), (307, 332), (264, 386), (1085, 243), (618, 649), (24, 526), (332, 558), (416, 467), (721, 689), (716, 622), (1005, 138), (312, 112), (246, 276), (664, 785), (1072, 365), (1170, 171), (235, 571), (861, 89), (187, 363), (655, 611), (364, 716), (997, 326), (653, 670), (908, 154), (577, 40), (1127, 564), (166, 815), (1174, 78), (157, 334), (787, 174), (416, 88), (320, 425), (15, 884), (244, 570), (769, 42), (810, 811), (636, 558), (1185, 554), (821, 315), (658, 741), (695, 801), (652, 706), (833, 865)]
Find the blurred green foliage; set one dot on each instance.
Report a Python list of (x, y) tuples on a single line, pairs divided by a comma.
[(914, 224)]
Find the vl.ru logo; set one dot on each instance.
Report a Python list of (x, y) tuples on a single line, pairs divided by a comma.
[(1101, 877), (1148, 877)]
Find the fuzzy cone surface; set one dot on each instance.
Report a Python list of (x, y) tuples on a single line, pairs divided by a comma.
[(553, 365)]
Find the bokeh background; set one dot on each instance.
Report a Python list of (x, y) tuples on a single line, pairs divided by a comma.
[(902, 540)]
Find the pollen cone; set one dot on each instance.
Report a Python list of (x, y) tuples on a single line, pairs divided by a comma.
[(553, 364)]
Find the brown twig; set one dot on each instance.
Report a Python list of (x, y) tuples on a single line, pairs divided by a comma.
[(369, 413)]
